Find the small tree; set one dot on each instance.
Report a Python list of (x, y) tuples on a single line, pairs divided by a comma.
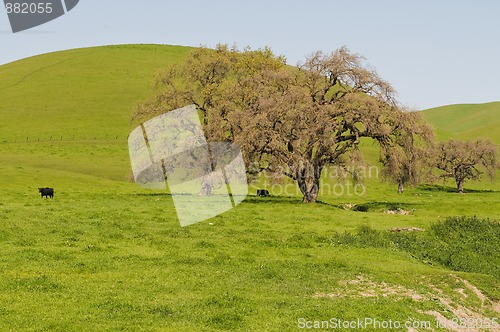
[(407, 154), (467, 160)]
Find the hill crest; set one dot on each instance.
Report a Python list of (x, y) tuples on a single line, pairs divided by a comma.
[(466, 121)]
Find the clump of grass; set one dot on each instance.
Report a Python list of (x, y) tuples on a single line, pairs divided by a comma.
[(465, 244), (364, 237)]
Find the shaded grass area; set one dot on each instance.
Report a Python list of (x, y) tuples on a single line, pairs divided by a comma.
[(448, 189)]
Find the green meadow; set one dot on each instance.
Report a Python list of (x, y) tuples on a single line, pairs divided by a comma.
[(466, 122), (107, 255)]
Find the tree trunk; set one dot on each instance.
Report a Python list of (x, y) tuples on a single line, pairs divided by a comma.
[(308, 181), (401, 187), (310, 193), (460, 186)]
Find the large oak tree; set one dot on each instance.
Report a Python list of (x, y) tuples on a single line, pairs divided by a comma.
[(292, 121)]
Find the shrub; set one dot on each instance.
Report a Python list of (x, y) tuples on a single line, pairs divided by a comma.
[(465, 244)]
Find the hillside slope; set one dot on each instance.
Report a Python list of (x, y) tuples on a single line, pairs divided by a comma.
[(70, 111), (107, 255), (82, 92), (85, 97), (466, 121), (91, 92)]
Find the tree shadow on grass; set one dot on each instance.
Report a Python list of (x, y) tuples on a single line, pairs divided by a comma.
[(272, 200), (253, 199), (382, 206), (250, 199), (362, 207), (448, 189)]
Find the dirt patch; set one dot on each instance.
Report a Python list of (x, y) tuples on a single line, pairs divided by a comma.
[(348, 206), (398, 211), (474, 289), (452, 312), (363, 287), (406, 229), (461, 291)]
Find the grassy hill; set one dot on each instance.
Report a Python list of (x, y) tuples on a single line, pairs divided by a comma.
[(78, 103), (84, 93), (466, 122), (106, 255)]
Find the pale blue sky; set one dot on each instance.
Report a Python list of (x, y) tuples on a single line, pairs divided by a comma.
[(433, 52)]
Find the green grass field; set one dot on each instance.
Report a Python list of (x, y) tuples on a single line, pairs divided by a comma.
[(106, 255), (466, 122)]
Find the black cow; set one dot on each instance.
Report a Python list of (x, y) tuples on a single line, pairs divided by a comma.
[(263, 192), (47, 192)]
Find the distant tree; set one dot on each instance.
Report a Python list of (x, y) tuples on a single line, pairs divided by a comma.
[(291, 121), (407, 154), (467, 160)]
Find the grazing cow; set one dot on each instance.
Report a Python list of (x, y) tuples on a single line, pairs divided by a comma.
[(263, 192), (47, 192)]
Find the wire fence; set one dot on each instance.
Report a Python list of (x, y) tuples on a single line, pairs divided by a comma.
[(59, 138)]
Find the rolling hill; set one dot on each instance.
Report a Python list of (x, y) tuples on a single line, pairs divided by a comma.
[(74, 107), (84, 96), (106, 255), (82, 92), (466, 121)]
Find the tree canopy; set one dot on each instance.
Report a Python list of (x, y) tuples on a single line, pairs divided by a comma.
[(293, 121), (407, 154), (467, 160)]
